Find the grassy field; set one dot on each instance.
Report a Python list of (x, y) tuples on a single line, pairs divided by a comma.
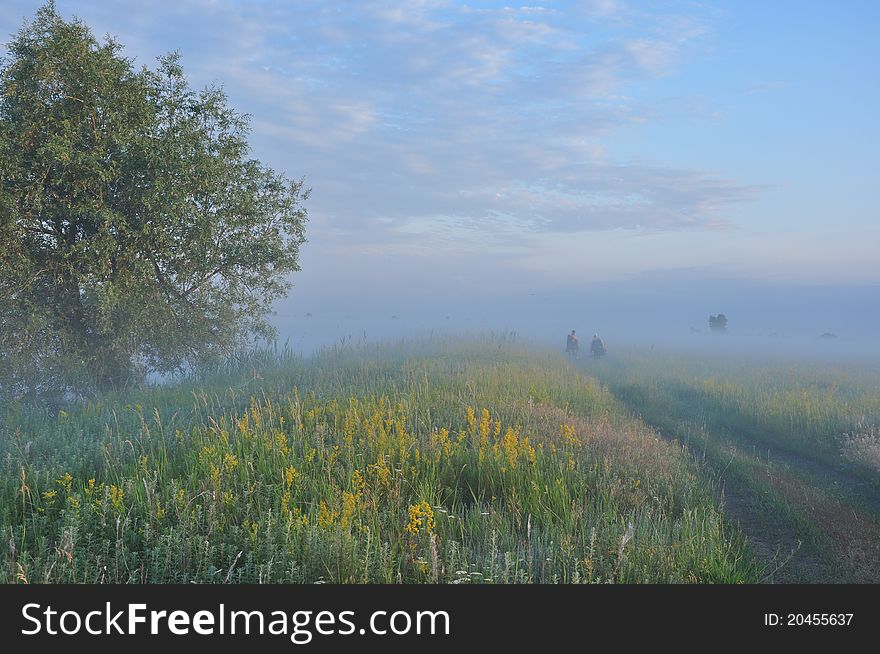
[(474, 461), (794, 447)]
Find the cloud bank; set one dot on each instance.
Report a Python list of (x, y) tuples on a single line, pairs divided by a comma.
[(437, 124)]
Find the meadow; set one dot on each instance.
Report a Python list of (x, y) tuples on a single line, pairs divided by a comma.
[(442, 461), (794, 447)]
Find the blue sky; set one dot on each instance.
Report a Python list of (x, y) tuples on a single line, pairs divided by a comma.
[(474, 147)]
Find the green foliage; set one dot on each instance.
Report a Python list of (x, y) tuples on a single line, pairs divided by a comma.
[(794, 445), (445, 462), (809, 410), (136, 233), (718, 323)]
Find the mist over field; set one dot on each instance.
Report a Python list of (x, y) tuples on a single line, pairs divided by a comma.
[(664, 311), (285, 290), (605, 166)]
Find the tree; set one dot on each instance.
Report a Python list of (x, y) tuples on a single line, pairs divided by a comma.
[(136, 235), (718, 323)]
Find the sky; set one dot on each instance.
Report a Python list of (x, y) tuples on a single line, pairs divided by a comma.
[(606, 163)]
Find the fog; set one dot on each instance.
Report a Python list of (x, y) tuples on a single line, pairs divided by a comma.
[(652, 311), (494, 169)]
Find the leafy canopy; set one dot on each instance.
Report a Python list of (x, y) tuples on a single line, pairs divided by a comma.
[(137, 234)]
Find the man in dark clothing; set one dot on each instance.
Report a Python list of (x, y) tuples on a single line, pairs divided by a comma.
[(597, 347), (571, 345)]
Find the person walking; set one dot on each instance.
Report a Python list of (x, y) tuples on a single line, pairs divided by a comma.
[(571, 345), (597, 347)]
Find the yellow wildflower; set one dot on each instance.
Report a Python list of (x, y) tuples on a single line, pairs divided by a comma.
[(485, 421), (349, 506), (65, 480), (326, 517), (116, 497), (291, 474), (421, 515)]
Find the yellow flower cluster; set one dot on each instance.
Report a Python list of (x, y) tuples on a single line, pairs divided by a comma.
[(441, 443), (358, 482), (281, 443), (514, 449), (291, 474), (65, 481), (380, 472), (350, 503), (116, 497), (421, 516), (326, 516), (568, 435)]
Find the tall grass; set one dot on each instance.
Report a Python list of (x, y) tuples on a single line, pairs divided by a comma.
[(819, 412), (443, 461)]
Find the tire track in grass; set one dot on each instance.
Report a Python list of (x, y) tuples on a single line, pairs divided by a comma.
[(854, 535), (840, 506), (800, 530), (785, 557), (859, 489), (780, 537), (810, 517)]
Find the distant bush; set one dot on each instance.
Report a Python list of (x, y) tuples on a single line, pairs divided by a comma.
[(718, 323)]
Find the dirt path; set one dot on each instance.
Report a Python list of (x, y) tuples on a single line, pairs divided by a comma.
[(785, 557), (840, 504), (842, 508), (857, 490), (854, 533), (784, 554)]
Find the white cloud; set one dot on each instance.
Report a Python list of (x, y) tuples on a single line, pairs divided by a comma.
[(435, 122)]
